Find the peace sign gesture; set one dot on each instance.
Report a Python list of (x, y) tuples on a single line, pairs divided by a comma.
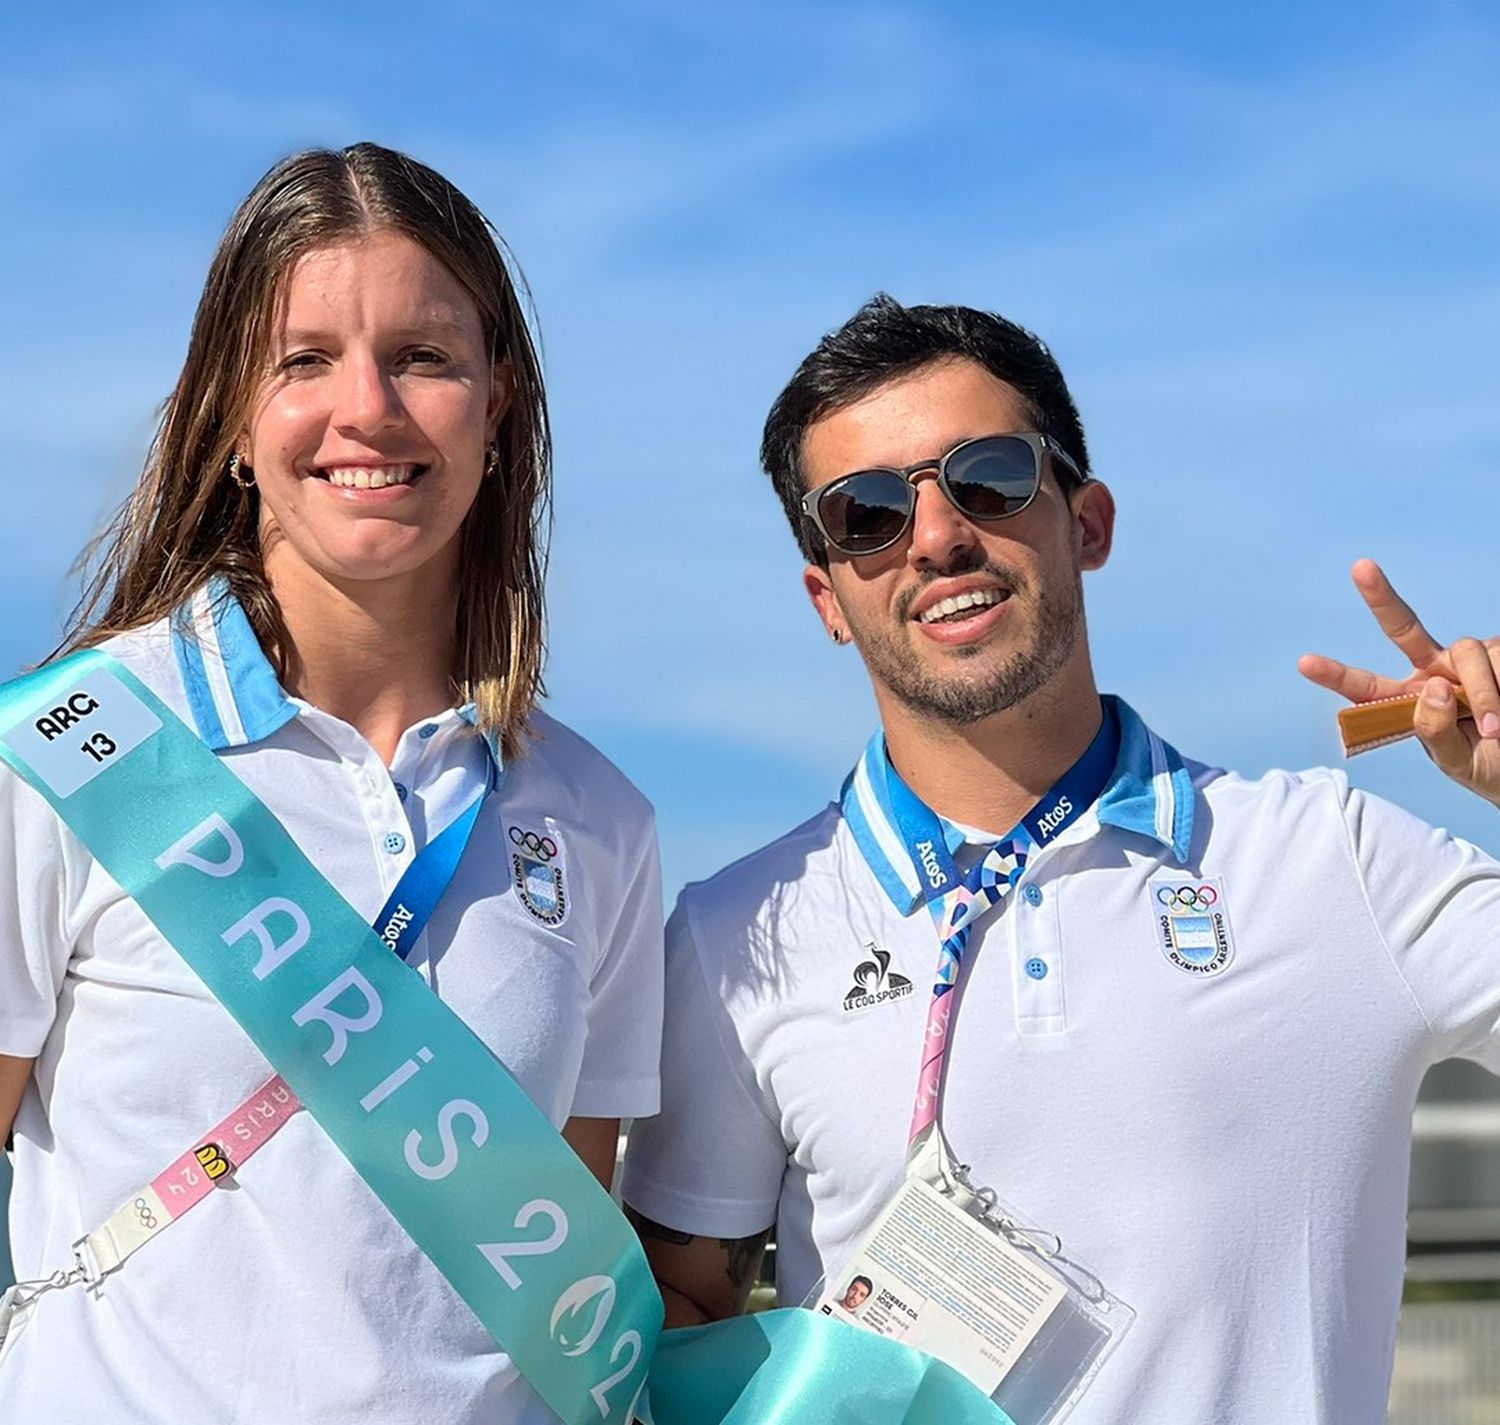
[(1466, 748)]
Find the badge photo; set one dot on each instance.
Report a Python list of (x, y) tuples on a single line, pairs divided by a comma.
[(1192, 924), (536, 859)]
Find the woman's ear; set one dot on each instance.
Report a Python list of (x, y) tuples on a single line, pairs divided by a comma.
[(502, 388)]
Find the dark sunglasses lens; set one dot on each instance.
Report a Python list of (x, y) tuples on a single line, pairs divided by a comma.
[(993, 478), (865, 512)]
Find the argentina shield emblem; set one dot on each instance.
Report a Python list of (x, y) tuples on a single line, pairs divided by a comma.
[(1192, 923), (537, 864)]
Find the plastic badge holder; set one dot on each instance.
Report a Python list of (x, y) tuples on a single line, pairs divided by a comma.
[(1055, 1368)]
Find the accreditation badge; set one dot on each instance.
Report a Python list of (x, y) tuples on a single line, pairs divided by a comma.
[(951, 1271)]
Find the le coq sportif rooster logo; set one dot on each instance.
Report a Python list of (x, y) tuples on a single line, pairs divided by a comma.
[(875, 982)]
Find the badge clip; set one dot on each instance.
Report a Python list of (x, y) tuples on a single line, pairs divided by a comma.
[(215, 1163)]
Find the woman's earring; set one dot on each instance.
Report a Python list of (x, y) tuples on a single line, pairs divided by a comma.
[(491, 458), (236, 462)]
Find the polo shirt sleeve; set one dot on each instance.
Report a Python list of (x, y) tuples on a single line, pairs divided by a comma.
[(34, 944), (620, 1074), (1436, 902), (712, 1161)]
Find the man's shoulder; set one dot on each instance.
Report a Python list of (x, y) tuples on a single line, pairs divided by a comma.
[(748, 925), (1317, 810), (1272, 790), (767, 877)]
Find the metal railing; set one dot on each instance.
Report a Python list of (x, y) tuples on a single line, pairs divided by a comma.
[(1447, 1368)]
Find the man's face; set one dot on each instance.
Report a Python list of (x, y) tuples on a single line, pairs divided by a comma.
[(1019, 577), (856, 1296)]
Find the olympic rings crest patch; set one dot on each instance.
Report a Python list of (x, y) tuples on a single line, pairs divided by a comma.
[(1192, 924), (536, 859)]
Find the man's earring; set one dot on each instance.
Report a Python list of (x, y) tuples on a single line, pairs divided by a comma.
[(491, 458), (236, 463), (836, 635)]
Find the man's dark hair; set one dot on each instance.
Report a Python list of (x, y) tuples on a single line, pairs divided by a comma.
[(884, 340), (869, 1285)]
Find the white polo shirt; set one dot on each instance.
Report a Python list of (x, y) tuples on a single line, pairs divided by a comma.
[(295, 1296), (1222, 1134)]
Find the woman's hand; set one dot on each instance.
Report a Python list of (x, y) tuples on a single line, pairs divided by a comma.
[(1467, 749)]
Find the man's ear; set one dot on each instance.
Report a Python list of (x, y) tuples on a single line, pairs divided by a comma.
[(820, 590), (1093, 509)]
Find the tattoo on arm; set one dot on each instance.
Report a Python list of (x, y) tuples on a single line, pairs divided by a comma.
[(740, 1262), (743, 1256)]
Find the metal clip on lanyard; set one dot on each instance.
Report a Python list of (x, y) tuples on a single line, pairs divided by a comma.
[(181, 1186)]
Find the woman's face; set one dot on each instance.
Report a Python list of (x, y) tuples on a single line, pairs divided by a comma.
[(368, 435)]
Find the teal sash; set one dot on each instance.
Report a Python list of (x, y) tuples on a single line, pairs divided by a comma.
[(420, 1107)]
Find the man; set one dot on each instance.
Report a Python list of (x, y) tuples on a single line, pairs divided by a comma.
[(857, 1293), (1190, 1037)]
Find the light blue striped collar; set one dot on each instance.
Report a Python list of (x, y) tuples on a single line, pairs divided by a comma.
[(1150, 792), (232, 690)]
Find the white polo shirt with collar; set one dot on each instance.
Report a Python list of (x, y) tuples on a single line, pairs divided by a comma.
[(294, 1295), (1214, 1114)]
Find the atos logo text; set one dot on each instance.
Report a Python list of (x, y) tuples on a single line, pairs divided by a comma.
[(935, 877), (1055, 818), (54, 723), (396, 926)]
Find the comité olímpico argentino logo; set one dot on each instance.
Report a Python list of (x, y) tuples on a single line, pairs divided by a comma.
[(1192, 924), (537, 863), (875, 982)]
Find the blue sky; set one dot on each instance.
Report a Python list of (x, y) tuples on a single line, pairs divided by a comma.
[(1262, 246)]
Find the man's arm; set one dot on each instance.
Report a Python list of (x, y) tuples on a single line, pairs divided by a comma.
[(1467, 749), (15, 1074), (701, 1278), (597, 1142), (703, 1178)]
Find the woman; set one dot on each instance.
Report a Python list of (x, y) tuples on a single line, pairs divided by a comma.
[(331, 570)]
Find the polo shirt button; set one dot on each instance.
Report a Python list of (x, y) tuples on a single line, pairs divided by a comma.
[(1033, 896), (401, 792), (426, 730), (394, 842), (1037, 969)]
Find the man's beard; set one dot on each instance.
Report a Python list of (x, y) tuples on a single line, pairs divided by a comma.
[(962, 699)]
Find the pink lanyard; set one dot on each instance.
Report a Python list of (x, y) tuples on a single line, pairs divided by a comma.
[(955, 914)]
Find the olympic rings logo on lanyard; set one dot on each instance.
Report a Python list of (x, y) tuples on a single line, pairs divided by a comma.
[(544, 848), (1196, 898)]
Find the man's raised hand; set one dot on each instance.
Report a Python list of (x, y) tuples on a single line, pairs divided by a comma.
[(1466, 749)]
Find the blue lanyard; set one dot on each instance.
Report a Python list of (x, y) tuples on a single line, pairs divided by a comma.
[(409, 907), (923, 833)]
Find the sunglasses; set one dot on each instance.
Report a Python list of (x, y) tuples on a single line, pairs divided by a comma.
[(991, 478)]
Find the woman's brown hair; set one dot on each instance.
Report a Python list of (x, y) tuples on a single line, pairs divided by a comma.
[(187, 521)]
